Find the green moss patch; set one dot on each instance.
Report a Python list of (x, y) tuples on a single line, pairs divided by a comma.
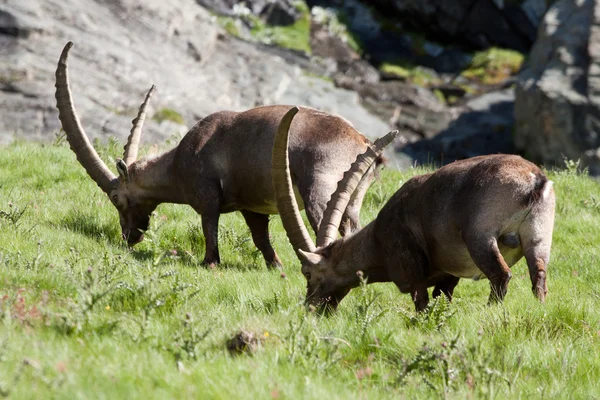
[(167, 114)]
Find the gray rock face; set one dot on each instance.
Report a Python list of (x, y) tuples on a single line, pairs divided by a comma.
[(557, 106), (484, 126), (124, 46), (479, 23)]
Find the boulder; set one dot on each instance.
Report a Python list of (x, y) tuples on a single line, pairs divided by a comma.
[(279, 12), (483, 126), (273, 12), (475, 23), (558, 92)]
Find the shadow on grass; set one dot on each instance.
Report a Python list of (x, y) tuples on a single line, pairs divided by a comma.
[(188, 260), (89, 225)]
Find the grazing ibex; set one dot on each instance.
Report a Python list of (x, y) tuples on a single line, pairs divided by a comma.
[(470, 219), (223, 164)]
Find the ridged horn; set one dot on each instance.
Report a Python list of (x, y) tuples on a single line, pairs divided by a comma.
[(284, 191), (133, 141), (78, 140), (346, 187)]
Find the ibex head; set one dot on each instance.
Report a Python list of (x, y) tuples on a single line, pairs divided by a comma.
[(134, 213), (322, 266)]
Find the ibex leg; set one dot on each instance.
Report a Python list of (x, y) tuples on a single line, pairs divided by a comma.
[(486, 255), (259, 227)]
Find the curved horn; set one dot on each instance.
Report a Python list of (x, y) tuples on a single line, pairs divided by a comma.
[(81, 146), (346, 187), (133, 141), (284, 191)]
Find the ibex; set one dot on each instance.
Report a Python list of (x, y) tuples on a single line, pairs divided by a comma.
[(470, 219), (223, 164)]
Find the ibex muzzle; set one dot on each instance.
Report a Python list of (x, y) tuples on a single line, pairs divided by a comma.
[(223, 164), (472, 218)]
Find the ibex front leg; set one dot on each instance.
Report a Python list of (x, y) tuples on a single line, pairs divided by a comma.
[(210, 227), (207, 203)]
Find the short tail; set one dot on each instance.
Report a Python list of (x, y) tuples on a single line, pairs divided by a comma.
[(541, 189)]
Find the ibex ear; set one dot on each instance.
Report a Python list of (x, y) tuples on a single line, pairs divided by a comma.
[(122, 169), (311, 259)]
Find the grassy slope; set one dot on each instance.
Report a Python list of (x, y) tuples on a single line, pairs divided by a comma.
[(83, 316)]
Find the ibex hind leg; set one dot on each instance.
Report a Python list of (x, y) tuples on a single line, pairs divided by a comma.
[(536, 239), (259, 228), (486, 255)]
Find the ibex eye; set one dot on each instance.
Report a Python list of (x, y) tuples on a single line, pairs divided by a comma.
[(115, 198), (307, 276)]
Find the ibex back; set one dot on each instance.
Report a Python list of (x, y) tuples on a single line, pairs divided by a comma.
[(223, 164), (470, 219)]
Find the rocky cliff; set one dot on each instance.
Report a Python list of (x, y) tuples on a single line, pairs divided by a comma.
[(122, 47), (425, 68)]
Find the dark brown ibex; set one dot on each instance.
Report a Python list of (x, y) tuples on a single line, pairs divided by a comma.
[(223, 164), (470, 219)]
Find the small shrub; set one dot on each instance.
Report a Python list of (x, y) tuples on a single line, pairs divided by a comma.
[(368, 311), (434, 317), (449, 366), (306, 347), (186, 340)]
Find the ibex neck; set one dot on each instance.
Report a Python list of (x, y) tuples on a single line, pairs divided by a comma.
[(360, 254), (156, 178)]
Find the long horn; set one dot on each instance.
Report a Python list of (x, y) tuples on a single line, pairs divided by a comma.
[(81, 146), (346, 187), (284, 191), (133, 141)]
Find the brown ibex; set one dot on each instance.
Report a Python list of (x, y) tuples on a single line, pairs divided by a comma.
[(470, 219), (223, 164)]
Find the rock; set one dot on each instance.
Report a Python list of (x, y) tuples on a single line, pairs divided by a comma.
[(243, 342), (450, 90), (122, 47), (484, 126), (557, 105), (279, 12), (222, 7), (401, 93), (392, 43), (475, 23), (345, 64), (325, 44), (273, 12), (535, 10)]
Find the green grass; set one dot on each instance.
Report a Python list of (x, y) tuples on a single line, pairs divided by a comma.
[(83, 316), (295, 36)]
